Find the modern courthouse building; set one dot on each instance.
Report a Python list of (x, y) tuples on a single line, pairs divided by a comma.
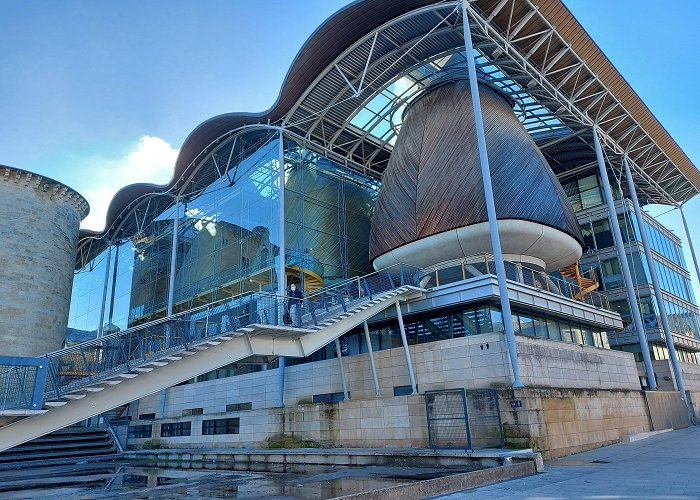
[(464, 225)]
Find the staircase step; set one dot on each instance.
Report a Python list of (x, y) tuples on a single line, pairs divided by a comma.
[(143, 369), (173, 358), (127, 375), (74, 396), (200, 347), (188, 353), (212, 342), (55, 404), (246, 329), (111, 382), (157, 363), (224, 338), (92, 388)]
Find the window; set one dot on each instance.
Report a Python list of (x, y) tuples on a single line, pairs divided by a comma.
[(403, 390), (602, 233), (175, 429), (221, 426), (239, 407), (332, 397), (140, 431), (147, 416), (188, 412)]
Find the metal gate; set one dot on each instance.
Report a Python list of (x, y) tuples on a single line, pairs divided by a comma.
[(458, 419)]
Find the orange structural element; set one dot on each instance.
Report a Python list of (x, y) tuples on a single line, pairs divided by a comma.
[(587, 281)]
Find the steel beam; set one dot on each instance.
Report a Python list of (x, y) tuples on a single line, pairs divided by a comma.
[(490, 204), (343, 380), (281, 269), (622, 255), (690, 242), (655, 283), (372, 365), (100, 327), (406, 351)]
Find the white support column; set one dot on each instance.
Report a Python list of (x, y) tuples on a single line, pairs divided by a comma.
[(100, 327), (622, 255), (690, 242), (655, 282), (281, 269), (372, 365), (490, 203), (346, 395), (407, 353)]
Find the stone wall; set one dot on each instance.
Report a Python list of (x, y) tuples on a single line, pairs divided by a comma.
[(544, 363), (560, 422), (39, 224)]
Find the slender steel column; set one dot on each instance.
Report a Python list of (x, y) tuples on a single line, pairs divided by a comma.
[(690, 242), (342, 370), (622, 255), (655, 281), (490, 204), (171, 291), (100, 327), (115, 270), (173, 257), (407, 353), (281, 270), (373, 366)]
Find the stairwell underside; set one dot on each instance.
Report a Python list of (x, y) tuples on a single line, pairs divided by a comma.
[(252, 341)]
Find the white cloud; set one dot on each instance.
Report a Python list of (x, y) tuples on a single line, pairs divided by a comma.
[(152, 160)]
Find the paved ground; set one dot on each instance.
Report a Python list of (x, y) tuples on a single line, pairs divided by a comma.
[(665, 466)]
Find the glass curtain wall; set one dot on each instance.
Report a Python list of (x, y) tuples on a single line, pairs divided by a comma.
[(328, 211), (229, 235)]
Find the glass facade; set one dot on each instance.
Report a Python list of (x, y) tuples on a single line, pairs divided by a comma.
[(228, 237), (466, 321)]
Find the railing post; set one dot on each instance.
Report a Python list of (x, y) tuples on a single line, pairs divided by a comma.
[(403, 281), (368, 290), (391, 280), (312, 310), (341, 300)]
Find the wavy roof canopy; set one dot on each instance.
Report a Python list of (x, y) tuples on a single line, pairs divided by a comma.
[(372, 57)]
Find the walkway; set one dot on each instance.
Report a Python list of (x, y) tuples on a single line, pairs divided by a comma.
[(665, 466)]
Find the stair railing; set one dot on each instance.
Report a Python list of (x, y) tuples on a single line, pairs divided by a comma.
[(119, 353)]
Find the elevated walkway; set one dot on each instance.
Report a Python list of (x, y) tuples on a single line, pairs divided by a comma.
[(97, 376)]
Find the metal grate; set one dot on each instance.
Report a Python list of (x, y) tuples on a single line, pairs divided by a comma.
[(484, 419), (448, 425), (458, 419)]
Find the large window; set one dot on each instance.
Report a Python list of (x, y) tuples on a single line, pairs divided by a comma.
[(472, 320), (221, 426), (176, 429)]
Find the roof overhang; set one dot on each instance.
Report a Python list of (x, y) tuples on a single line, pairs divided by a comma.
[(373, 56)]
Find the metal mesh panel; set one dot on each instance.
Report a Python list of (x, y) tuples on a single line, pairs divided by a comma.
[(447, 419), (484, 419)]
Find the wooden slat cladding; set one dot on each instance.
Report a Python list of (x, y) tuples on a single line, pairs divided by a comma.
[(433, 181)]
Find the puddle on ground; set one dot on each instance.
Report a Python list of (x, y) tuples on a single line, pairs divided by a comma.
[(198, 480)]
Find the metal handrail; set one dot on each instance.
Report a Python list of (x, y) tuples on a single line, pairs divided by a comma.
[(550, 284), (71, 368)]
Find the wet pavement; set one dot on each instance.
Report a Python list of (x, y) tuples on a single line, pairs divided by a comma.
[(129, 479), (665, 466)]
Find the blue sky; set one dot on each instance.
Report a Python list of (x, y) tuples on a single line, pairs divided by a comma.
[(97, 94)]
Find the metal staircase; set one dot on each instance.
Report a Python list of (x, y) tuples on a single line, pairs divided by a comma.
[(587, 281), (96, 376)]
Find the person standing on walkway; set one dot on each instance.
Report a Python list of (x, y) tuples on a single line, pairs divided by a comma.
[(294, 302)]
